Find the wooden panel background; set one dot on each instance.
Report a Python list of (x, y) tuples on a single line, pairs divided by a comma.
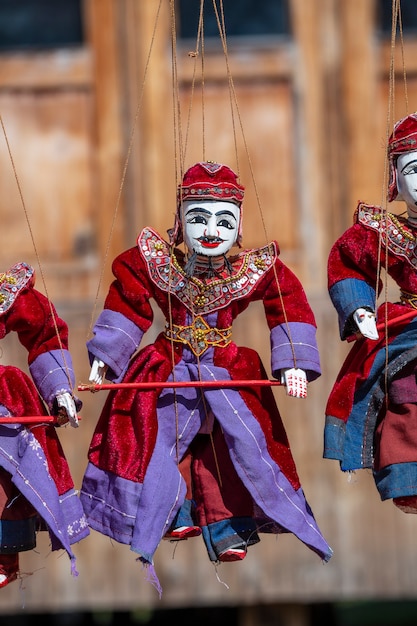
[(314, 115)]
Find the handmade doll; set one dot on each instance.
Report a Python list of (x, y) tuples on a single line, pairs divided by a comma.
[(371, 415), (177, 462), (36, 488)]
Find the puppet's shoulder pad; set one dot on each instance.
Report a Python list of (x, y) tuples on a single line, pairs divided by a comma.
[(149, 238), (364, 212), (260, 258), (12, 282), (375, 217)]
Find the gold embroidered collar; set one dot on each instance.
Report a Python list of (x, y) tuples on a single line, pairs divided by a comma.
[(396, 234), (203, 296)]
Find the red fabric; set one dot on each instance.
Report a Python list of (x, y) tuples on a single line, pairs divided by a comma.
[(34, 321), (396, 435), (215, 481), (210, 181), (19, 395), (403, 139), (355, 255), (125, 434), (357, 365)]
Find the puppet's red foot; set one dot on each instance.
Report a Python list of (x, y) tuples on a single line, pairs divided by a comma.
[(184, 532), (407, 504), (233, 554), (9, 565)]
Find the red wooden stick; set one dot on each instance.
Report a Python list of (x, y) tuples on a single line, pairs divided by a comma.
[(30, 419), (383, 325), (175, 384)]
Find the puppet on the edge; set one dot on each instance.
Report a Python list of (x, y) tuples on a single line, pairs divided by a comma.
[(371, 414), (36, 488)]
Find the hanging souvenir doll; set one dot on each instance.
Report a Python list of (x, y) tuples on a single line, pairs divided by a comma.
[(179, 462), (36, 488), (371, 415)]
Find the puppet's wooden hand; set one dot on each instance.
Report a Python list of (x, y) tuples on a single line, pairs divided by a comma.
[(295, 381), (67, 411), (366, 323), (98, 371)]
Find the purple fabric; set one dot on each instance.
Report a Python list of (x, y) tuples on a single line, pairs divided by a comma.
[(403, 390), (148, 511), (116, 339), (302, 338), (22, 456), (53, 373)]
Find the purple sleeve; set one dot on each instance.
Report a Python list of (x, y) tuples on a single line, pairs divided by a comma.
[(295, 339), (115, 340), (53, 373)]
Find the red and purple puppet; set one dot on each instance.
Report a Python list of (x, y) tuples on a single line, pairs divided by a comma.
[(36, 489), (371, 414), (176, 463)]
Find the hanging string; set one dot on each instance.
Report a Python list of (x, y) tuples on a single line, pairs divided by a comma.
[(51, 308), (122, 182), (234, 100), (180, 147), (396, 23)]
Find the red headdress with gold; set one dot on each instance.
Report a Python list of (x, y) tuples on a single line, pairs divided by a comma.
[(207, 181), (403, 139)]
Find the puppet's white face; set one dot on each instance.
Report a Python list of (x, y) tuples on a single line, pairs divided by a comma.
[(210, 227), (407, 181)]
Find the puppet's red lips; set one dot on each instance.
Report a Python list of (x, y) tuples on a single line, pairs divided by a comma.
[(210, 243)]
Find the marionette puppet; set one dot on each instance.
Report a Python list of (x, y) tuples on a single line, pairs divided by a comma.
[(176, 462), (371, 414), (36, 489)]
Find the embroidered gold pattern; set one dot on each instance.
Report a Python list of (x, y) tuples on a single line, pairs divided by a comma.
[(410, 299), (397, 236), (199, 336), (200, 296), (12, 282)]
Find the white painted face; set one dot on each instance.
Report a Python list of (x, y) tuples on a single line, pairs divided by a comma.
[(407, 181), (210, 227)]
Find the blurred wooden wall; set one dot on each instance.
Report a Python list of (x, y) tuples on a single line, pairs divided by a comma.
[(91, 132)]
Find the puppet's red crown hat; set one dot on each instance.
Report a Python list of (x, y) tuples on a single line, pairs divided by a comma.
[(404, 135), (403, 139), (210, 181)]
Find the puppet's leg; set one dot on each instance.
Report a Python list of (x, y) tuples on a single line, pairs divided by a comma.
[(9, 567), (17, 528), (395, 465), (183, 526), (224, 506)]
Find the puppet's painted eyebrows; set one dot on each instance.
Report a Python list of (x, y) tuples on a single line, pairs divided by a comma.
[(198, 209), (225, 212), (413, 162), (202, 210)]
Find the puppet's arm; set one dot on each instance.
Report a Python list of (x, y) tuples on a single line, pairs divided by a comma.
[(45, 335), (295, 357), (352, 276), (126, 316)]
